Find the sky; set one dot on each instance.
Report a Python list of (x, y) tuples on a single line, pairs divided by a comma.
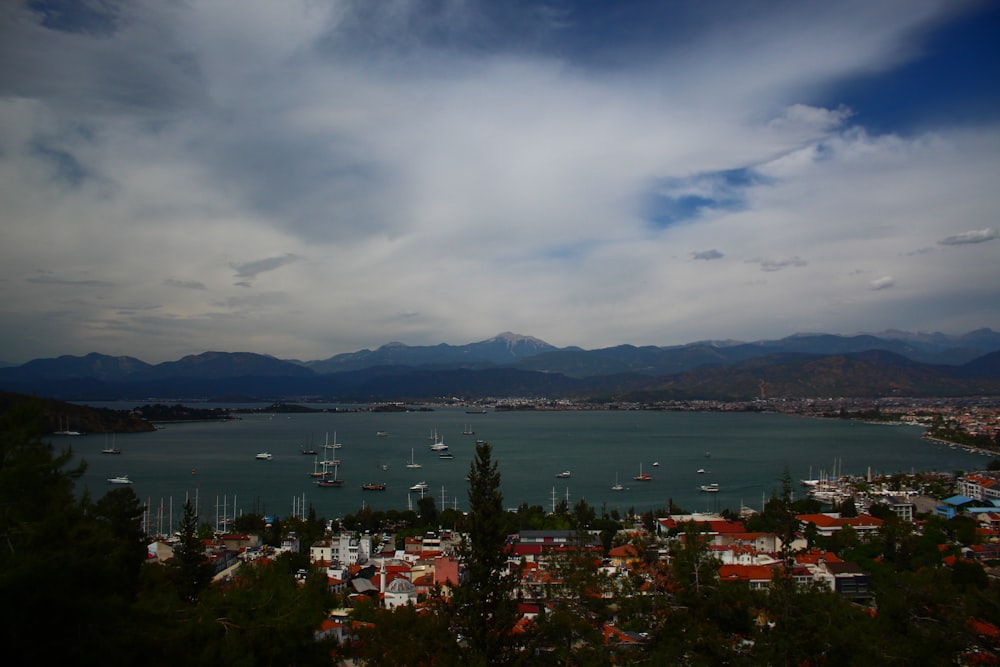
[(311, 177)]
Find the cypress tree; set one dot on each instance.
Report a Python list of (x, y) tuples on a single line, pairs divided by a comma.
[(485, 603)]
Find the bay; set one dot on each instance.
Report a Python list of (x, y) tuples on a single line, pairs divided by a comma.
[(745, 453)]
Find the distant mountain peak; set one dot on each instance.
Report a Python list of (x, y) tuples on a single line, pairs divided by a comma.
[(513, 338)]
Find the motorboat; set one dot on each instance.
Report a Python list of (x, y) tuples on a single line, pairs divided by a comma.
[(565, 474), (709, 488), (120, 479), (420, 486), (264, 456)]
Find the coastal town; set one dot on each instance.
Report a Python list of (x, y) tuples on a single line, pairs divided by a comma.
[(837, 569), (392, 568)]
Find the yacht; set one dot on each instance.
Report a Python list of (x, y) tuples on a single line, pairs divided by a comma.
[(120, 479), (263, 456)]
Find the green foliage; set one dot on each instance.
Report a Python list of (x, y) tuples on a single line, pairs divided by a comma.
[(191, 570), (428, 639), (62, 557), (486, 608)]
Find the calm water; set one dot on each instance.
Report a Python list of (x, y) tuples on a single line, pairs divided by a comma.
[(748, 453)]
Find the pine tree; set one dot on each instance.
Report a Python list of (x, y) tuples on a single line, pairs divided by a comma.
[(486, 608), (192, 570)]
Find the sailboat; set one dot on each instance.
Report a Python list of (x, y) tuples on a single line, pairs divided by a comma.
[(67, 430), (643, 476), (316, 471), (112, 449), (325, 480), (412, 463), (617, 486), (438, 444)]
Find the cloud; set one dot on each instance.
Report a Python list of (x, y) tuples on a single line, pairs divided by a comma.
[(803, 116), (975, 236), (49, 278), (885, 282), (524, 160), (185, 284), (779, 264), (252, 269)]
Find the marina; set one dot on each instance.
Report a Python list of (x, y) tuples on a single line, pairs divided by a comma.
[(749, 453)]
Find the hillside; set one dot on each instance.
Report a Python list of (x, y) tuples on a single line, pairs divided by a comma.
[(807, 365)]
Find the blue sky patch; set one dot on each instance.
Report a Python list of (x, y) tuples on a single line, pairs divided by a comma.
[(679, 200)]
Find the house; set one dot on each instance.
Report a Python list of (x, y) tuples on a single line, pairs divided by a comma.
[(953, 506), (532, 545), (829, 523), (756, 576), (346, 549), (625, 556), (851, 581), (446, 571), (715, 526)]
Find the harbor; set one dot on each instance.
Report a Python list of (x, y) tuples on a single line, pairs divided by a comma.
[(605, 450)]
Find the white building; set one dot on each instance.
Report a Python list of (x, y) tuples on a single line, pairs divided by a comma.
[(346, 549)]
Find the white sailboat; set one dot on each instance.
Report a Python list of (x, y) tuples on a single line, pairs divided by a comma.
[(412, 463), (438, 444), (617, 486)]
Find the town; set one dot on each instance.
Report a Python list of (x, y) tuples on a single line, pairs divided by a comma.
[(823, 543), (837, 569)]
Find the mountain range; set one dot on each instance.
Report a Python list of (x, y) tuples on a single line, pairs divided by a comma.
[(892, 363)]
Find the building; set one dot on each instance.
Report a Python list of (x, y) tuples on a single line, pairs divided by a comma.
[(345, 549), (829, 523)]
